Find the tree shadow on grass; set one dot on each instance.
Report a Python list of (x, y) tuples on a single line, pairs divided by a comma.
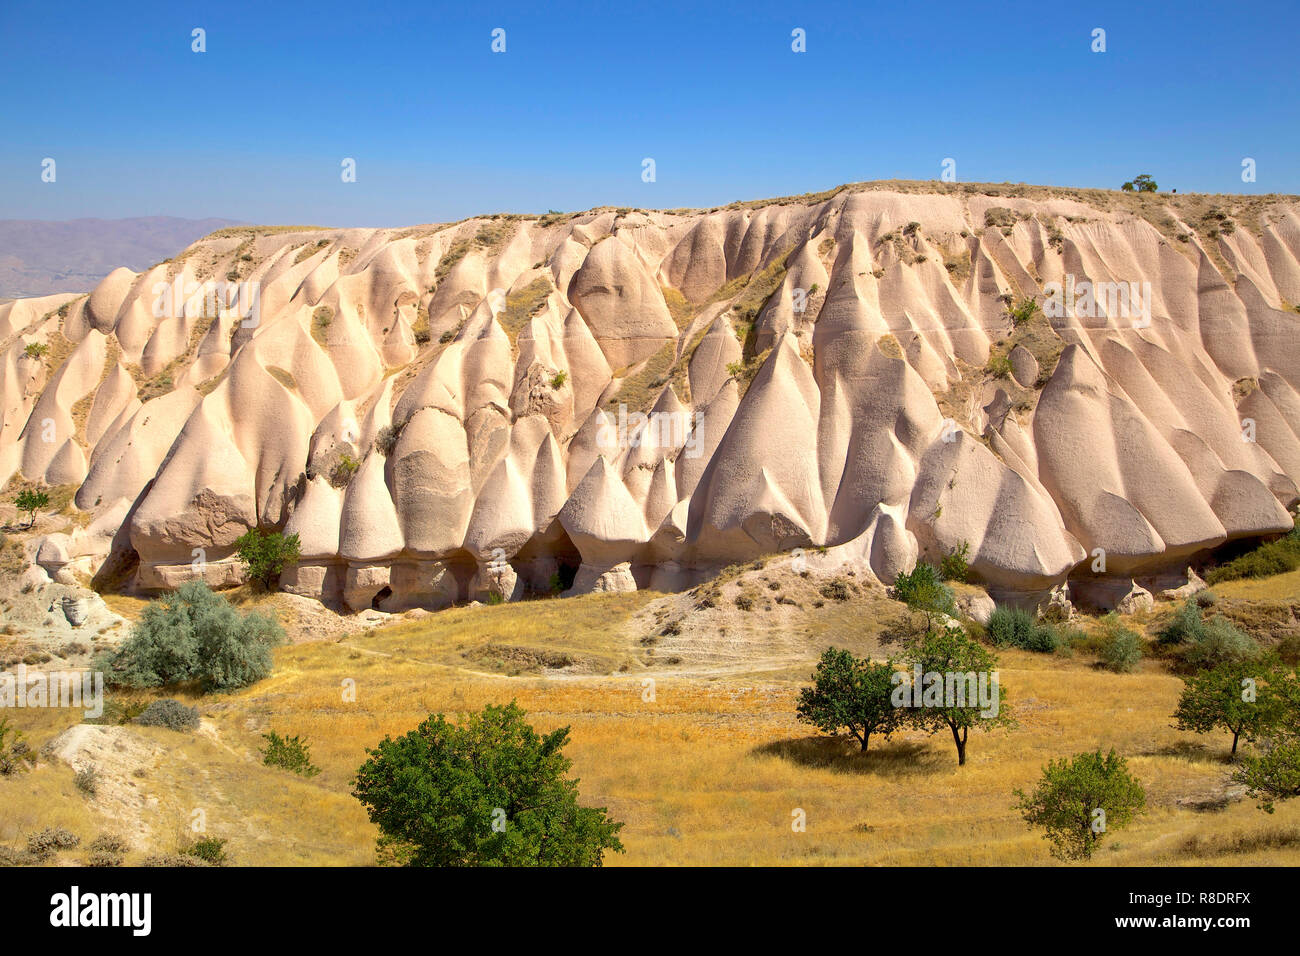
[(844, 755), (1192, 750)]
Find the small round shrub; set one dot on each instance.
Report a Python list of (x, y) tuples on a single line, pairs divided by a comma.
[(171, 714), (211, 850), (49, 841), (108, 843), (1185, 625), (1121, 650), (1010, 626), (835, 590), (87, 780), (193, 634), (1219, 642), (922, 589), (1042, 639), (1013, 627), (106, 850)]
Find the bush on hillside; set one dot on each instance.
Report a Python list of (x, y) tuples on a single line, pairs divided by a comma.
[(1121, 648), (1275, 557), (1219, 642), (171, 714), (955, 565), (1206, 644), (1074, 794), (15, 753), (922, 589), (1010, 626), (193, 635), (1183, 626), (266, 553), (1013, 627), (289, 753)]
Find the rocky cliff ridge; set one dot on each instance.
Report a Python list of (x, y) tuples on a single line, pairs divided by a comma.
[(624, 398)]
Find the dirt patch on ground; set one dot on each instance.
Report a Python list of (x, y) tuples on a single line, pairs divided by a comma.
[(765, 615), (522, 660), (122, 758)]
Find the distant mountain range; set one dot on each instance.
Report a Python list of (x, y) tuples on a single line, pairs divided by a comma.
[(40, 258)]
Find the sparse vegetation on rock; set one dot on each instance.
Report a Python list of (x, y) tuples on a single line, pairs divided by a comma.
[(266, 553), (31, 500)]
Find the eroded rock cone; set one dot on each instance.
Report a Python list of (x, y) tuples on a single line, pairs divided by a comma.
[(76, 609), (810, 373)]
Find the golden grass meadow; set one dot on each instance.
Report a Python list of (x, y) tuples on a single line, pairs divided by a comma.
[(709, 769)]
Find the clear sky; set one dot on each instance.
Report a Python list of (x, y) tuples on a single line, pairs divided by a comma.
[(441, 127)]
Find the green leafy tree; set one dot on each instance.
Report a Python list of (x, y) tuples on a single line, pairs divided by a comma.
[(852, 693), (266, 553), (193, 634), (951, 654), (32, 500), (291, 753), (1236, 696), (923, 591), (488, 792), (1142, 184), (1273, 776), (955, 565), (1081, 799)]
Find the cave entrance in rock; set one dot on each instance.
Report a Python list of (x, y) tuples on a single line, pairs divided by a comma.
[(550, 561), (462, 566), (567, 571), (384, 594), (567, 559)]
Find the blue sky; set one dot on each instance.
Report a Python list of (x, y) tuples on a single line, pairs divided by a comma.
[(442, 128)]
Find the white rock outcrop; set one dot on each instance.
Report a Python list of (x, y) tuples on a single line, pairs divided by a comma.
[(613, 400)]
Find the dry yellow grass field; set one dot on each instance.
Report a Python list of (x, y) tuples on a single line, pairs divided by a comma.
[(708, 771)]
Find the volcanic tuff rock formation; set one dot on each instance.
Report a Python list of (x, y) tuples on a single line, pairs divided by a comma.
[(426, 407)]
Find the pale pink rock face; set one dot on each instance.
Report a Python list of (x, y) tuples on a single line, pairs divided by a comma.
[(796, 375)]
